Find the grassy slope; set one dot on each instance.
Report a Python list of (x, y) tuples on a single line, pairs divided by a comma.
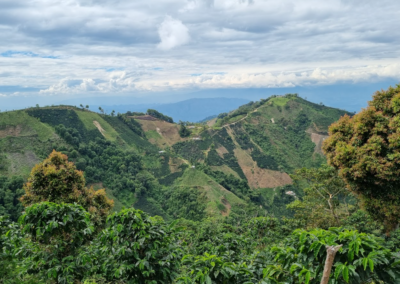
[(89, 117), (22, 142), (161, 133), (30, 125), (215, 192)]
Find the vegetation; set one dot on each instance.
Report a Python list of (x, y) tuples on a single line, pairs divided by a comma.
[(326, 201), (365, 150), (217, 224), (159, 115), (10, 192), (57, 180), (183, 130)]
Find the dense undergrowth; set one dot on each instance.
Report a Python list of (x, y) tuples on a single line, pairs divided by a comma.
[(59, 242)]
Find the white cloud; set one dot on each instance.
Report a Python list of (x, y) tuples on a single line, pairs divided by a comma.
[(172, 33), (108, 46), (121, 82)]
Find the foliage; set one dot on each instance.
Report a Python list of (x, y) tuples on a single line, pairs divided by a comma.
[(365, 150), (132, 124), (137, 248), (57, 180), (65, 116), (325, 203), (189, 150), (264, 161), (183, 130), (169, 179), (222, 115), (159, 115), (213, 159), (56, 232), (362, 258), (134, 113), (240, 187), (185, 202), (9, 237), (121, 171), (10, 192)]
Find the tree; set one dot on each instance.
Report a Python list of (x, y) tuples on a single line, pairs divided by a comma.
[(324, 204), (87, 106), (183, 130), (57, 180), (159, 115), (365, 149)]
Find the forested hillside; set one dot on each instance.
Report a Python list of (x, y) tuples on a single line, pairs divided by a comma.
[(242, 160), (245, 198)]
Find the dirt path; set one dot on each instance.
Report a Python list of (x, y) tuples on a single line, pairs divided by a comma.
[(98, 126), (233, 123)]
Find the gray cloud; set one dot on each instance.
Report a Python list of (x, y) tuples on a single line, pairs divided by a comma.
[(111, 46)]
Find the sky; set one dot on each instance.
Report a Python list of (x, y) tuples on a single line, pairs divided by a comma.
[(160, 50)]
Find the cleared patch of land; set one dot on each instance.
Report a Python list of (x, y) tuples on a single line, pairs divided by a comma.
[(10, 131), (19, 123), (22, 163), (258, 177), (318, 139), (161, 133), (221, 151), (174, 164)]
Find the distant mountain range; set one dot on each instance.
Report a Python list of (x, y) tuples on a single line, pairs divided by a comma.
[(192, 110)]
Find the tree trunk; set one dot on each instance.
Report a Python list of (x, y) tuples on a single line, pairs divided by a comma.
[(333, 210), (330, 257)]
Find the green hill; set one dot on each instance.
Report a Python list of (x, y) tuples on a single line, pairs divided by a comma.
[(241, 162)]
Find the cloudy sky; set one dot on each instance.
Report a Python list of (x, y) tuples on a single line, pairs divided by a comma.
[(86, 48)]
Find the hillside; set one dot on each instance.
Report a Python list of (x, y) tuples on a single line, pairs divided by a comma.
[(241, 161)]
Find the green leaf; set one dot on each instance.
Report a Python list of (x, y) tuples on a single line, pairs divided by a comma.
[(365, 262), (346, 274), (303, 237), (208, 280), (371, 265), (351, 255), (338, 270), (308, 276)]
